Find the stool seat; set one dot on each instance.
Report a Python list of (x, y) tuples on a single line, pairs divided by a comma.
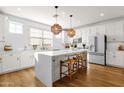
[(70, 61)]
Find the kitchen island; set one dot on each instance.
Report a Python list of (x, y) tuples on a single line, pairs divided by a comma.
[(47, 66)]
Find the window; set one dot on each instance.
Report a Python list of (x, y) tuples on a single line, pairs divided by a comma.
[(36, 36), (47, 38), (40, 37), (47, 34), (15, 27)]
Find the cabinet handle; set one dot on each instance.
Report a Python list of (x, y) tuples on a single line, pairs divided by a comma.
[(11, 54), (17, 58), (53, 60), (114, 56)]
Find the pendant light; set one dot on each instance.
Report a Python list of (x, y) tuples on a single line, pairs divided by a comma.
[(56, 28), (71, 32)]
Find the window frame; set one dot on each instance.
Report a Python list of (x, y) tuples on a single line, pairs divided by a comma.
[(15, 23), (42, 38)]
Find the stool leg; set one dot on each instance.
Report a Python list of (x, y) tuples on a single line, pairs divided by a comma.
[(60, 70), (69, 71), (86, 63)]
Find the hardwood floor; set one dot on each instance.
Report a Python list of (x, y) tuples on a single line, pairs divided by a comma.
[(94, 76), (23, 78)]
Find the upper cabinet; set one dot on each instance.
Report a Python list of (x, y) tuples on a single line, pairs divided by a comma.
[(97, 30), (85, 34), (115, 31), (92, 31), (100, 29)]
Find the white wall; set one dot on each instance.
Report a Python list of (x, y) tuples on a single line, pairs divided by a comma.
[(19, 41)]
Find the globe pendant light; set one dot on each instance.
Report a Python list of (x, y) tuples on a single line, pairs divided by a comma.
[(56, 28), (71, 32)]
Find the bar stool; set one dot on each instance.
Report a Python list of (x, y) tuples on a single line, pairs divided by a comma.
[(82, 58), (71, 66)]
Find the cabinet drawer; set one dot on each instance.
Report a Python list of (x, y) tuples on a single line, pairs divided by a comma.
[(115, 59), (120, 59), (10, 63), (27, 59)]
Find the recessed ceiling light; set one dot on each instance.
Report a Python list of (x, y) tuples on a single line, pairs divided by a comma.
[(18, 9), (102, 14), (6, 18), (63, 13)]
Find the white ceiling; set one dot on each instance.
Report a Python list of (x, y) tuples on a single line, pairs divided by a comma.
[(82, 15)]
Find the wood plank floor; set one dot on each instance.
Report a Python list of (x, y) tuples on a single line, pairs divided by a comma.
[(22, 78), (94, 76)]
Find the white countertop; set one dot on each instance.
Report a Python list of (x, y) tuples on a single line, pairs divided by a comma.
[(61, 52), (2, 53)]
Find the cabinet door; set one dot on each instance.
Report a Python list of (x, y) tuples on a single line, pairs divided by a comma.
[(92, 31), (1, 27), (119, 59), (85, 35), (115, 58), (111, 58), (10, 62), (100, 30), (32, 61), (27, 59), (0, 66), (114, 31)]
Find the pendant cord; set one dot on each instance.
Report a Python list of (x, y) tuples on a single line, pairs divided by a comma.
[(71, 21), (56, 13)]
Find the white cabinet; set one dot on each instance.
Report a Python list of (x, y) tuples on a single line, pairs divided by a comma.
[(10, 62), (97, 30), (85, 34), (27, 59), (110, 58), (115, 58), (115, 31), (0, 66), (92, 31), (120, 59), (56, 67), (100, 29), (1, 27)]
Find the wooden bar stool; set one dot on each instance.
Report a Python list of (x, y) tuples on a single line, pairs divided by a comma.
[(82, 59), (70, 66)]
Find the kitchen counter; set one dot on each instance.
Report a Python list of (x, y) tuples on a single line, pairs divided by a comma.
[(47, 65), (60, 52), (3, 53)]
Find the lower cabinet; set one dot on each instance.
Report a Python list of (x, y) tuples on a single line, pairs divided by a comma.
[(10, 62), (0, 66), (27, 59), (56, 67), (115, 58), (13, 62)]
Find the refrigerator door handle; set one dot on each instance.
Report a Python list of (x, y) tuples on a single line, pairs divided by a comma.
[(96, 44)]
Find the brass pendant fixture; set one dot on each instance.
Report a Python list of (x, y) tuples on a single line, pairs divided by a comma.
[(71, 32), (56, 28)]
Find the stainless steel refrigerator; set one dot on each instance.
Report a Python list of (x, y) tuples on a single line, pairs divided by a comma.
[(97, 49)]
